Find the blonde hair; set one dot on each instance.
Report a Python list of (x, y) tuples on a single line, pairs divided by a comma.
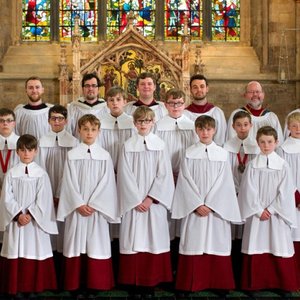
[(143, 112), (89, 118), (293, 117)]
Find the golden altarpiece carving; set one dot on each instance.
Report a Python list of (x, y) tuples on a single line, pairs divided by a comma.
[(120, 62)]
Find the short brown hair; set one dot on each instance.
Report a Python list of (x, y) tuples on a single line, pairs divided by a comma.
[(114, 91), (266, 130), (58, 109), (205, 121), (89, 118), (6, 111), (27, 141), (33, 78), (145, 75), (198, 77), (143, 112), (175, 94), (241, 114)]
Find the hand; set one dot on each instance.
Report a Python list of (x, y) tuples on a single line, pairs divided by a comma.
[(145, 205), (266, 215), (85, 210), (24, 219), (203, 211)]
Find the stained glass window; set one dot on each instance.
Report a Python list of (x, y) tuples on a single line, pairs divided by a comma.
[(87, 11), (179, 12), (226, 20), (117, 16), (36, 20)]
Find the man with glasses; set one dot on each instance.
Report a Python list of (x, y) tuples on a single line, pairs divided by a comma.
[(200, 106), (260, 115), (89, 103), (32, 118)]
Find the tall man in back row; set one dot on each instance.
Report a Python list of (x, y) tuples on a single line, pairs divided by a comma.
[(260, 115), (32, 118), (201, 106)]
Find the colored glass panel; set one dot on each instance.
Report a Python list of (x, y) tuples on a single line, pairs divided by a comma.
[(226, 20), (143, 17), (36, 20), (87, 11), (181, 12)]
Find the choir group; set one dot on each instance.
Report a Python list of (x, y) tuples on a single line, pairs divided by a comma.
[(182, 195)]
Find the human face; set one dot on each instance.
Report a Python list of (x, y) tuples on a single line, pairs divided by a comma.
[(146, 88), (88, 133), (175, 107), (242, 127), (90, 90), (267, 144), (34, 91), (254, 95), (116, 105), (27, 155), (7, 125), (199, 90), (57, 122), (206, 134), (294, 128), (144, 125)]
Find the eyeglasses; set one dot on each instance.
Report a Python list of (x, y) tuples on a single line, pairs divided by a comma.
[(254, 92), (2, 121), (146, 121), (87, 86), (59, 119), (175, 104)]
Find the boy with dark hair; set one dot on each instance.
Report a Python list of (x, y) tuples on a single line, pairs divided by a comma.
[(27, 219), (267, 204), (205, 201)]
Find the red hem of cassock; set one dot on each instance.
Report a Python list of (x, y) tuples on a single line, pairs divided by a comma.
[(85, 272), (201, 272), (26, 275), (266, 271), (145, 269), (297, 258)]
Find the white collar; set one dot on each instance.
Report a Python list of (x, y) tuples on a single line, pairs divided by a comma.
[(139, 143), (291, 145), (212, 151), (124, 121), (34, 170), (80, 103), (83, 151), (271, 161), (11, 141), (64, 139), (234, 144), (169, 123)]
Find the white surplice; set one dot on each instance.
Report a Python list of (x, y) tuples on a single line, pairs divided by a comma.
[(34, 122), (269, 119), (221, 125), (27, 193), (88, 179), (77, 109), (114, 132), (267, 183), (205, 179), (159, 109), (144, 169), (290, 151)]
